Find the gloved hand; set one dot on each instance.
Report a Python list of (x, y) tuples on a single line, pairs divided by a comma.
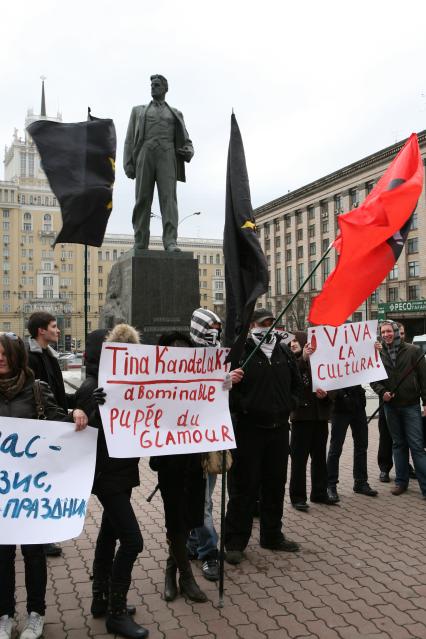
[(99, 396)]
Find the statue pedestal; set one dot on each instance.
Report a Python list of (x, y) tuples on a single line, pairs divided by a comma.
[(155, 291)]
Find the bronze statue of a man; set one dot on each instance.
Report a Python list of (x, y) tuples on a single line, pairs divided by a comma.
[(156, 146)]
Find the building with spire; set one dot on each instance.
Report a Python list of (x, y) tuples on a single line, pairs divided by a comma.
[(34, 276)]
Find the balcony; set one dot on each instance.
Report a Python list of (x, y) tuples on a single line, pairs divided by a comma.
[(47, 234)]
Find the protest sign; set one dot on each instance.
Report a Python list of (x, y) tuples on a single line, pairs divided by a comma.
[(345, 355), (46, 475), (164, 400)]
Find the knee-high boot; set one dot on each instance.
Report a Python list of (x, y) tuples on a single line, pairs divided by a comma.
[(100, 591), (118, 620), (170, 585), (188, 585)]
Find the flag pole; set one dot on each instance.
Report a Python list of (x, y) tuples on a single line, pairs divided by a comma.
[(287, 306), (222, 532), (85, 295)]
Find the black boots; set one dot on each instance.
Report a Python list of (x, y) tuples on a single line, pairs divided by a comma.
[(187, 584), (100, 592), (170, 586), (118, 620)]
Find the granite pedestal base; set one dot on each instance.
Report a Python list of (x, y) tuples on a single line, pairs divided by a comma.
[(154, 291)]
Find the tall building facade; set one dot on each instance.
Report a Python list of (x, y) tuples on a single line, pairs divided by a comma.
[(34, 276), (297, 228)]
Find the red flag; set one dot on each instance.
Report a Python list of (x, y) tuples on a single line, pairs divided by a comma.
[(371, 238)]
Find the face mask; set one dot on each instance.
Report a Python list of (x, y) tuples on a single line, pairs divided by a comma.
[(212, 336), (258, 333)]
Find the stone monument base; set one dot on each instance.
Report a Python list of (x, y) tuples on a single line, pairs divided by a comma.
[(155, 291)]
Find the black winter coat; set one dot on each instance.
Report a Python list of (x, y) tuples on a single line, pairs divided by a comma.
[(270, 388), (311, 407), (23, 405), (37, 365), (348, 400), (112, 475)]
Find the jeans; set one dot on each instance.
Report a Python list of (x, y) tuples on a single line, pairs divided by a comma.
[(384, 454), (118, 522), (35, 578), (406, 429), (202, 541), (339, 426), (308, 438), (259, 465)]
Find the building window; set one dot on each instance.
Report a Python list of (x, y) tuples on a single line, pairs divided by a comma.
[(313, 278), (23, 158), (325, 244), (324, 209), (5, 226), (325, 269), (277, 242), (277, 258), (289, 277), (414, 222), (217, 258), (6, 295), (299, 218), (278, 281), (218, 272), (114, 254), (312, 248), (338, 204), (287, 238), (277, 225), (324, 226), (288, 255), (393, 294), (267, 245), (413, 245), (311, 212), (357, 317), (311, 230), (6, 213), (100, 269), (219, 285), (393, 274), (47, 281), (369, 186), (413, 269), (300, 251), (287, 221), (299, 235), (6, 308), (414, 292), (300, 274), (266, 229), (353, 198), (373, 297)]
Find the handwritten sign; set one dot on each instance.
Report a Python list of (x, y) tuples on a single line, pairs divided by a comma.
[(164, 400), (46, 475), (345, 355)]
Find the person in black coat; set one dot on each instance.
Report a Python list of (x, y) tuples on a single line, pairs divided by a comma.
[(309, 433), (17, 399), (182, 486), (113, 483)]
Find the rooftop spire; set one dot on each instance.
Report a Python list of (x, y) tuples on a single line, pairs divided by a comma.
[(43, 99)]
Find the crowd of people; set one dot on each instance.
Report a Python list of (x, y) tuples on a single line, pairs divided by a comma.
[(269, 389)]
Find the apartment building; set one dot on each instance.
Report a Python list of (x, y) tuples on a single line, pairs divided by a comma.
[(296, 229)]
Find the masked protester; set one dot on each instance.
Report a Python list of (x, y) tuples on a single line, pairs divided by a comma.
[(309, 433), (260, 406), (113, 483), (182, 486), (205, 330), (18, 399)]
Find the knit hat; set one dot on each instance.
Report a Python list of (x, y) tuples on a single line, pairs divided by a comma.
[(301, 337)]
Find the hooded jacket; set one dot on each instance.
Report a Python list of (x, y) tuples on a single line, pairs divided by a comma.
[(112, 475)]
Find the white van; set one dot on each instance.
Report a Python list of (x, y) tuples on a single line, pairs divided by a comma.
[(420, 340)]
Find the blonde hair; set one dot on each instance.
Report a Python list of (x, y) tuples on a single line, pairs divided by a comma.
[(124, 333)]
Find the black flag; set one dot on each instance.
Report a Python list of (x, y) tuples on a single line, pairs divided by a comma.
[(79, 162), (246, 269)]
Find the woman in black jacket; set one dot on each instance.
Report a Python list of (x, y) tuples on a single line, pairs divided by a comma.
[(113, 483), (17, 399), (182, 486), (309, 433)]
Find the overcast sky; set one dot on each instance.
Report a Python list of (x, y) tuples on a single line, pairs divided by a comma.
[(314, 85)]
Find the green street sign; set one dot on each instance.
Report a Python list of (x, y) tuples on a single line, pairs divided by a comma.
[(413, 306)]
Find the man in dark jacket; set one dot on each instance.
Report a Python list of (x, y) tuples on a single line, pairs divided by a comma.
[(404, 366), (260, 406), (349, 410), (43, 361)]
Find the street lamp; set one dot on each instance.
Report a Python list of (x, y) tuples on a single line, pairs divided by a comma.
[(190, 215)]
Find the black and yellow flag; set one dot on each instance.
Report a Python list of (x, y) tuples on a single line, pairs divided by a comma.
[(79, 161), (246, 269)]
